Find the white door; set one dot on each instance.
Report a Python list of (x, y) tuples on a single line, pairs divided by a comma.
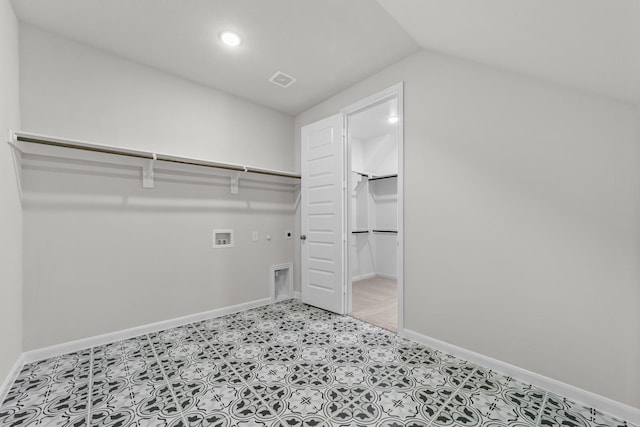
[(322, 214)]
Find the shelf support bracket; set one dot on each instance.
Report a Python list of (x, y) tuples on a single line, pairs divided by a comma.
[(16, 155), (235, 181), (147, 173)]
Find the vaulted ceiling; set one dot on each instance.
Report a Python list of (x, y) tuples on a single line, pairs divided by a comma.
[(328, 45), (592, 45)]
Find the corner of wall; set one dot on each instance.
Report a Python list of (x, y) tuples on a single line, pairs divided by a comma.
[(10, 204)]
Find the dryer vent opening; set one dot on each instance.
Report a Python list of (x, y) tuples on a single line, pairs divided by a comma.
[(281, 282)]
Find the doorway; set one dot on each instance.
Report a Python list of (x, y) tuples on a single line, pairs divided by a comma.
[(351, 211), (373, 143)]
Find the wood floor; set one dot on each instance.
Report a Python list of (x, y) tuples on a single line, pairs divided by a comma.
[(375, 301)]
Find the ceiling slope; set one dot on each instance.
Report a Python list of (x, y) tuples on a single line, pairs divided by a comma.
[(593, 45), (327, 45)]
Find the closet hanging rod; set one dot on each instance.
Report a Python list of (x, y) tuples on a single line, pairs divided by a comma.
[(56, 142), (374, 178)]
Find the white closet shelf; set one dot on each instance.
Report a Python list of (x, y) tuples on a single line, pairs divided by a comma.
[(18, 138), (373, 177)]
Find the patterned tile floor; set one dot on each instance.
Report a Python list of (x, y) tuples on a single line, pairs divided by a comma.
[(285, 364)]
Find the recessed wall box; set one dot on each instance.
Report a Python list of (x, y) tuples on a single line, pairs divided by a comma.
[(223, 238), (281, 281)]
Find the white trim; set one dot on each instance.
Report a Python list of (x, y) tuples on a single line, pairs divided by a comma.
[(377, 97), (601, 403), (399, 88), (387, 276), (372, 275), (11, 377), (362, 277), (297, 295), (71, 346), (272, 280)]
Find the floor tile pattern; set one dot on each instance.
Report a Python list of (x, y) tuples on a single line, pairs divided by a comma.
[(281, 365)]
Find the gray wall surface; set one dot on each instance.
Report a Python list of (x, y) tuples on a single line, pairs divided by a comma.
[(10, 209), (521, 208), (75, 91), (101, 253), (522, 201)]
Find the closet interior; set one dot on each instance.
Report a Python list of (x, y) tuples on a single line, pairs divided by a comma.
[(374, 214)]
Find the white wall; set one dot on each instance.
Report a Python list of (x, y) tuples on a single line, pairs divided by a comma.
[(374, 206), (75, 91), (385, 245), (10, 209), (522, 201), (102, 254), (362, 252), (357, 155), (384, 195), (381, 155), (384, 203), (362, 257)]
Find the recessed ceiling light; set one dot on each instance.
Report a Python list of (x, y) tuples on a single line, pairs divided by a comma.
[(392, 119), (230, 38)]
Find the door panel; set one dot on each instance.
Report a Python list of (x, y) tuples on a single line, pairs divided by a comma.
[(322, 204)]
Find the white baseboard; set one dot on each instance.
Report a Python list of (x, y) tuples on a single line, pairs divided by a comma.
[(363, 277), (11, 377), (588, 398), (371, 275), (601, 403), (70, 347), (297, 295)]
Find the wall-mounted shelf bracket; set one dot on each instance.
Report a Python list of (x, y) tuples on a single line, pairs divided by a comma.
[(17, 164), (235, 181), (147, 172), (234, 184)]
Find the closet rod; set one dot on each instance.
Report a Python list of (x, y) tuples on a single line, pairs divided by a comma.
[(374, 178), (147, 155)]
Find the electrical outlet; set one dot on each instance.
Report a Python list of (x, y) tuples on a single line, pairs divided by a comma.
[(288, 234)]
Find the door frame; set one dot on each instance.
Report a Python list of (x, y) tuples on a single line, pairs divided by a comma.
[(395, 91)]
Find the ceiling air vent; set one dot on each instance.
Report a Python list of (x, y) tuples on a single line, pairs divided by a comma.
[(282, 79)]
